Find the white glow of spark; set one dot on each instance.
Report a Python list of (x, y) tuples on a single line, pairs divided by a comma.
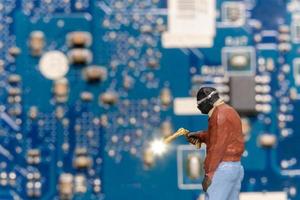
[(158, 147)]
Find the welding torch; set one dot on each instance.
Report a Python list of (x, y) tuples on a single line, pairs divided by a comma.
[(179, 132)]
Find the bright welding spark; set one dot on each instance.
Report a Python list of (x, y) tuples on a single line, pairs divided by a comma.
[(158, 147)]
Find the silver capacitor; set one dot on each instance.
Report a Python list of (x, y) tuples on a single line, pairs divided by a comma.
[(194, 166)]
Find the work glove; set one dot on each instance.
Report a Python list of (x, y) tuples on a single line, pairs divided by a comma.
[(206, 183), (193, 139)]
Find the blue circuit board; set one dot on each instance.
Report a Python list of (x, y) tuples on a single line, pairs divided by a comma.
[(86, 85)]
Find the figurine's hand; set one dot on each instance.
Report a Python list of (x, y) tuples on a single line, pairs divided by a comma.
[(206, 183), (193, 139), (183, 131)]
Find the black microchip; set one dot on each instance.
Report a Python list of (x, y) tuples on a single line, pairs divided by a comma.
[(242, 94)]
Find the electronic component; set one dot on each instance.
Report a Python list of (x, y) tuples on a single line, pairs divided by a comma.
[(86, 96), (79, 56), (14, 91), (239, 60), (267, 140), (79, 39), (80, 185), (296, 71), (61, 90), (295, 29), (108, 98), (54, 65), (152, 63), (264, 195), (234, 13), (95, 74), (294, 95), (97, 185), (128, 82), (194, 166), (166, 128), (186, 106), (81, 159), (166, 96), (246, 128), (3, 179), (242, 94), (8, 179), (37, 42), (33, 156), (34, 185), (14, 78), (149, 158), (190, 163), (66, 186), (33, 112), (14, 51), (190, 24), (82, 162)]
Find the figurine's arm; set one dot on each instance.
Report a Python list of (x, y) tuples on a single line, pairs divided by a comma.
[(219, 136)]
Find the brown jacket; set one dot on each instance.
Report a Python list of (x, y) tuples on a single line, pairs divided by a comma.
[(224, 139)]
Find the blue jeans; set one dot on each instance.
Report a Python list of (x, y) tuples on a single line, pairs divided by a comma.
[(226, 182)]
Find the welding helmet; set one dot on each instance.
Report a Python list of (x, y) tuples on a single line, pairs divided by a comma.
[(206, 97)]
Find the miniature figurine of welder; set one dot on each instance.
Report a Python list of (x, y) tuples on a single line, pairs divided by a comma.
[(224, 146)]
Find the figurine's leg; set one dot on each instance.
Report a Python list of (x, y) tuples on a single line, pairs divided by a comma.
[(236, 190), (223, 182)]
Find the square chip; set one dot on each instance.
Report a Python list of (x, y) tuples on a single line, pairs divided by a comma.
[(233, 13), (242, 94)]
